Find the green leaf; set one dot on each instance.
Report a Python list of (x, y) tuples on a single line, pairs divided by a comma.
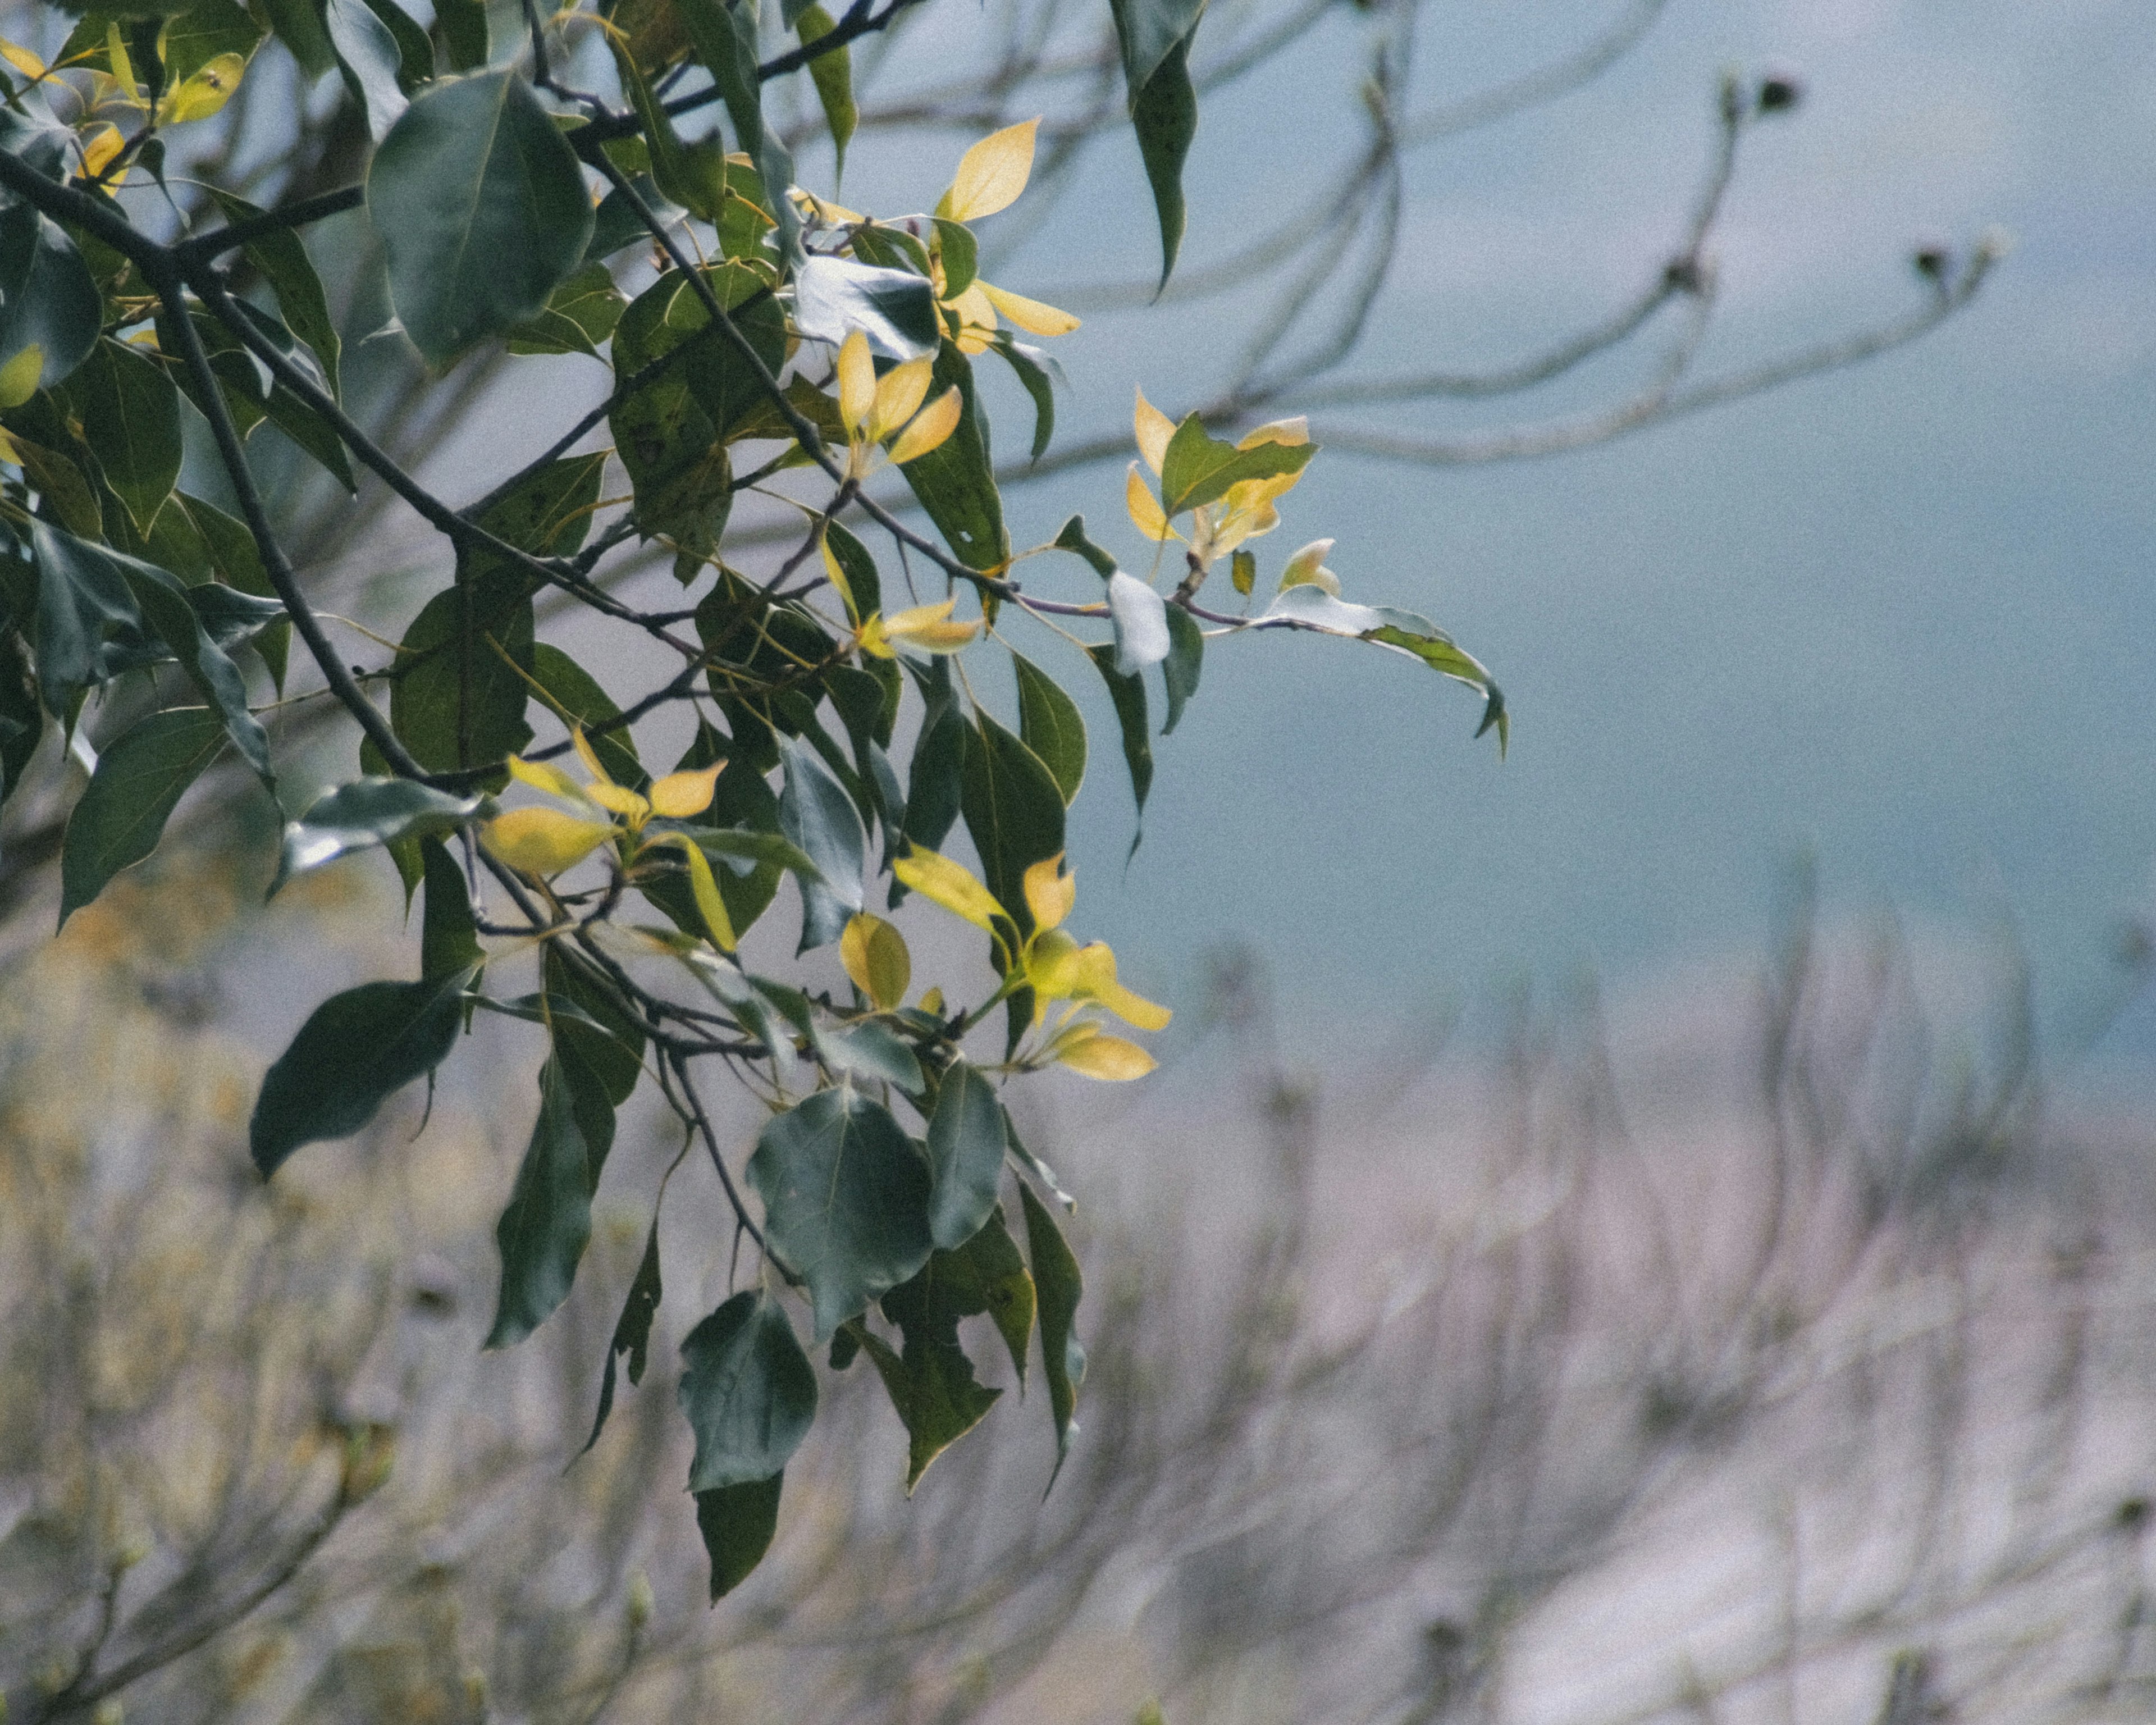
[(368, 56), (845, 1201), (579, 315), (548, 1223), (632, 1331), (299, 26), (833, 74), (966, 1140), (956, 482), (737, 1524), (1129, 695), (869, 1051), (164, 605), (1164, 114), (616, 225), (1033, 366), (22, 724), (1312, 607), (747, 1391), (480, 207), (693, 176), (1048, 723), (131, 415), (363, 813), (725, 38), (283, 262), (449, 936), (959, 253), (935, 775), (237, 561), (1013, 809), (820, 818), (859, 567), (1060, 1286), (591, 1029), (415, 53), (1199, 468), (1186, 657), (48, 300), (140, 779), (198, 32), (572, 690), (1072, 537), (895, 309), (355, 1049), (464, 27), (1148, 31)]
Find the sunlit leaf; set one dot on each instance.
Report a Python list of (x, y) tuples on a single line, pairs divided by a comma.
[(1030, 316), (876, 957), (543, 841), (363, 813), (951, 884), (930, 430), (991, 174), (1107, 1057), (893, 309)]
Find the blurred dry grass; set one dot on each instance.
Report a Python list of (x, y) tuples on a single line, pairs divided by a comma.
[(1773, 1366)]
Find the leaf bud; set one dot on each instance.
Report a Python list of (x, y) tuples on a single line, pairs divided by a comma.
[(1932, 259), (1780, 89), (640, 1601)]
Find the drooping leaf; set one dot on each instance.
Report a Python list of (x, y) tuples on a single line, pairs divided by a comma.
[(365, 812), (956, 481), (1048, 724), (299, 26), (1072, 537), (548, 1223), (480, 207), (131, 415), (464, 35), (22, 724), (415, 52), (1013, 809), (49, 299), (820, 818), (895, 309), (845, 1200), (737, 1524), (870, 1052), (355, 1049), (1037, 372), (1059, 1286), (140, 779), (1164, 114), (369, 58), (449, 934), (966, 1139), (632, 1331), (831, 72), (747, 1391), (1129, 695), (1186, 657), (935, 775), (202, 31), (284, 265), (591, 1028), (1405, 632)]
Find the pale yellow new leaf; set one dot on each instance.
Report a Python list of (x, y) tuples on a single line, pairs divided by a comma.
[(22, 59), (620, 800), (204, 92), (899, 393), (98, 150), (1145, 508), (705, 891), (839, 585), (976, 318), (1049, 893), (543, 841), (1155, 430), (929, 629), (875, 955), (588, 755), (1030, 316), (1292, 433), (544, 776), (1107, 1057), (18, 377), (931, 429), (1093, 972), (680, 795), (991, 174), (1306, 567), (942, 881), (857, 384)]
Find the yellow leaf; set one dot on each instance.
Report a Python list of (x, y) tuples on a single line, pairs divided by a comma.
[(976, 310), (123, 69), (204, 91), (703, 889), (931, 429), (1145, 508), (22, 59), (544, 776), (1107, 1057), (876, 957), (899, 393), (680, 795), (1030, 316), (991, 174), (99, 150), (932, 1002), (1093, 974), (588, 754), (932, 628), (1155, 429), (543, 841), (857, 384), (1307, 567), (18, 377), (942, 881), (1050, 892), (1293, 432), (821, 209), (840, 584), (620, 800), (10, 451)]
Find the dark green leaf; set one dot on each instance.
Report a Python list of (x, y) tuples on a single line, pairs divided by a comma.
[(131, 415), (616, 225), (198, 32), (859, 567), (957, 250), (748, 1390), (368, 56), (353, 1050), (1013, 809), (869, 1051), (591, 1029), (1164, 114), (737, 1524), (966, 1140), (1032, 367), (632, 1331), (1186, 657), (299, 26), (47, 297), (845, 1200), (481, 206), (725, 38), (464, 27), (935, 778), (1072, 538), (140, 779), (543, 1231), (956, 482), (580, 314), (89, 628), (365, 812), (1147, 31), (818, 816), (1200, 469), (833, 74), (449, 936), (572, 690), (415, 53), (284, 265), (21, 722), (1129, 695), (1048, 723), (1405, 632), (236, 558), (1059, 1286)]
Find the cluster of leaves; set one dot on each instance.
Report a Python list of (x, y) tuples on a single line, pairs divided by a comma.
[(761, 339)]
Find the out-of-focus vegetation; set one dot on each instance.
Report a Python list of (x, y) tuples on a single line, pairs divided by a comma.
[(1796, 1370)]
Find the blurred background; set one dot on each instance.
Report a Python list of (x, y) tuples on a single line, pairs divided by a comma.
[(1655, 1228)]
